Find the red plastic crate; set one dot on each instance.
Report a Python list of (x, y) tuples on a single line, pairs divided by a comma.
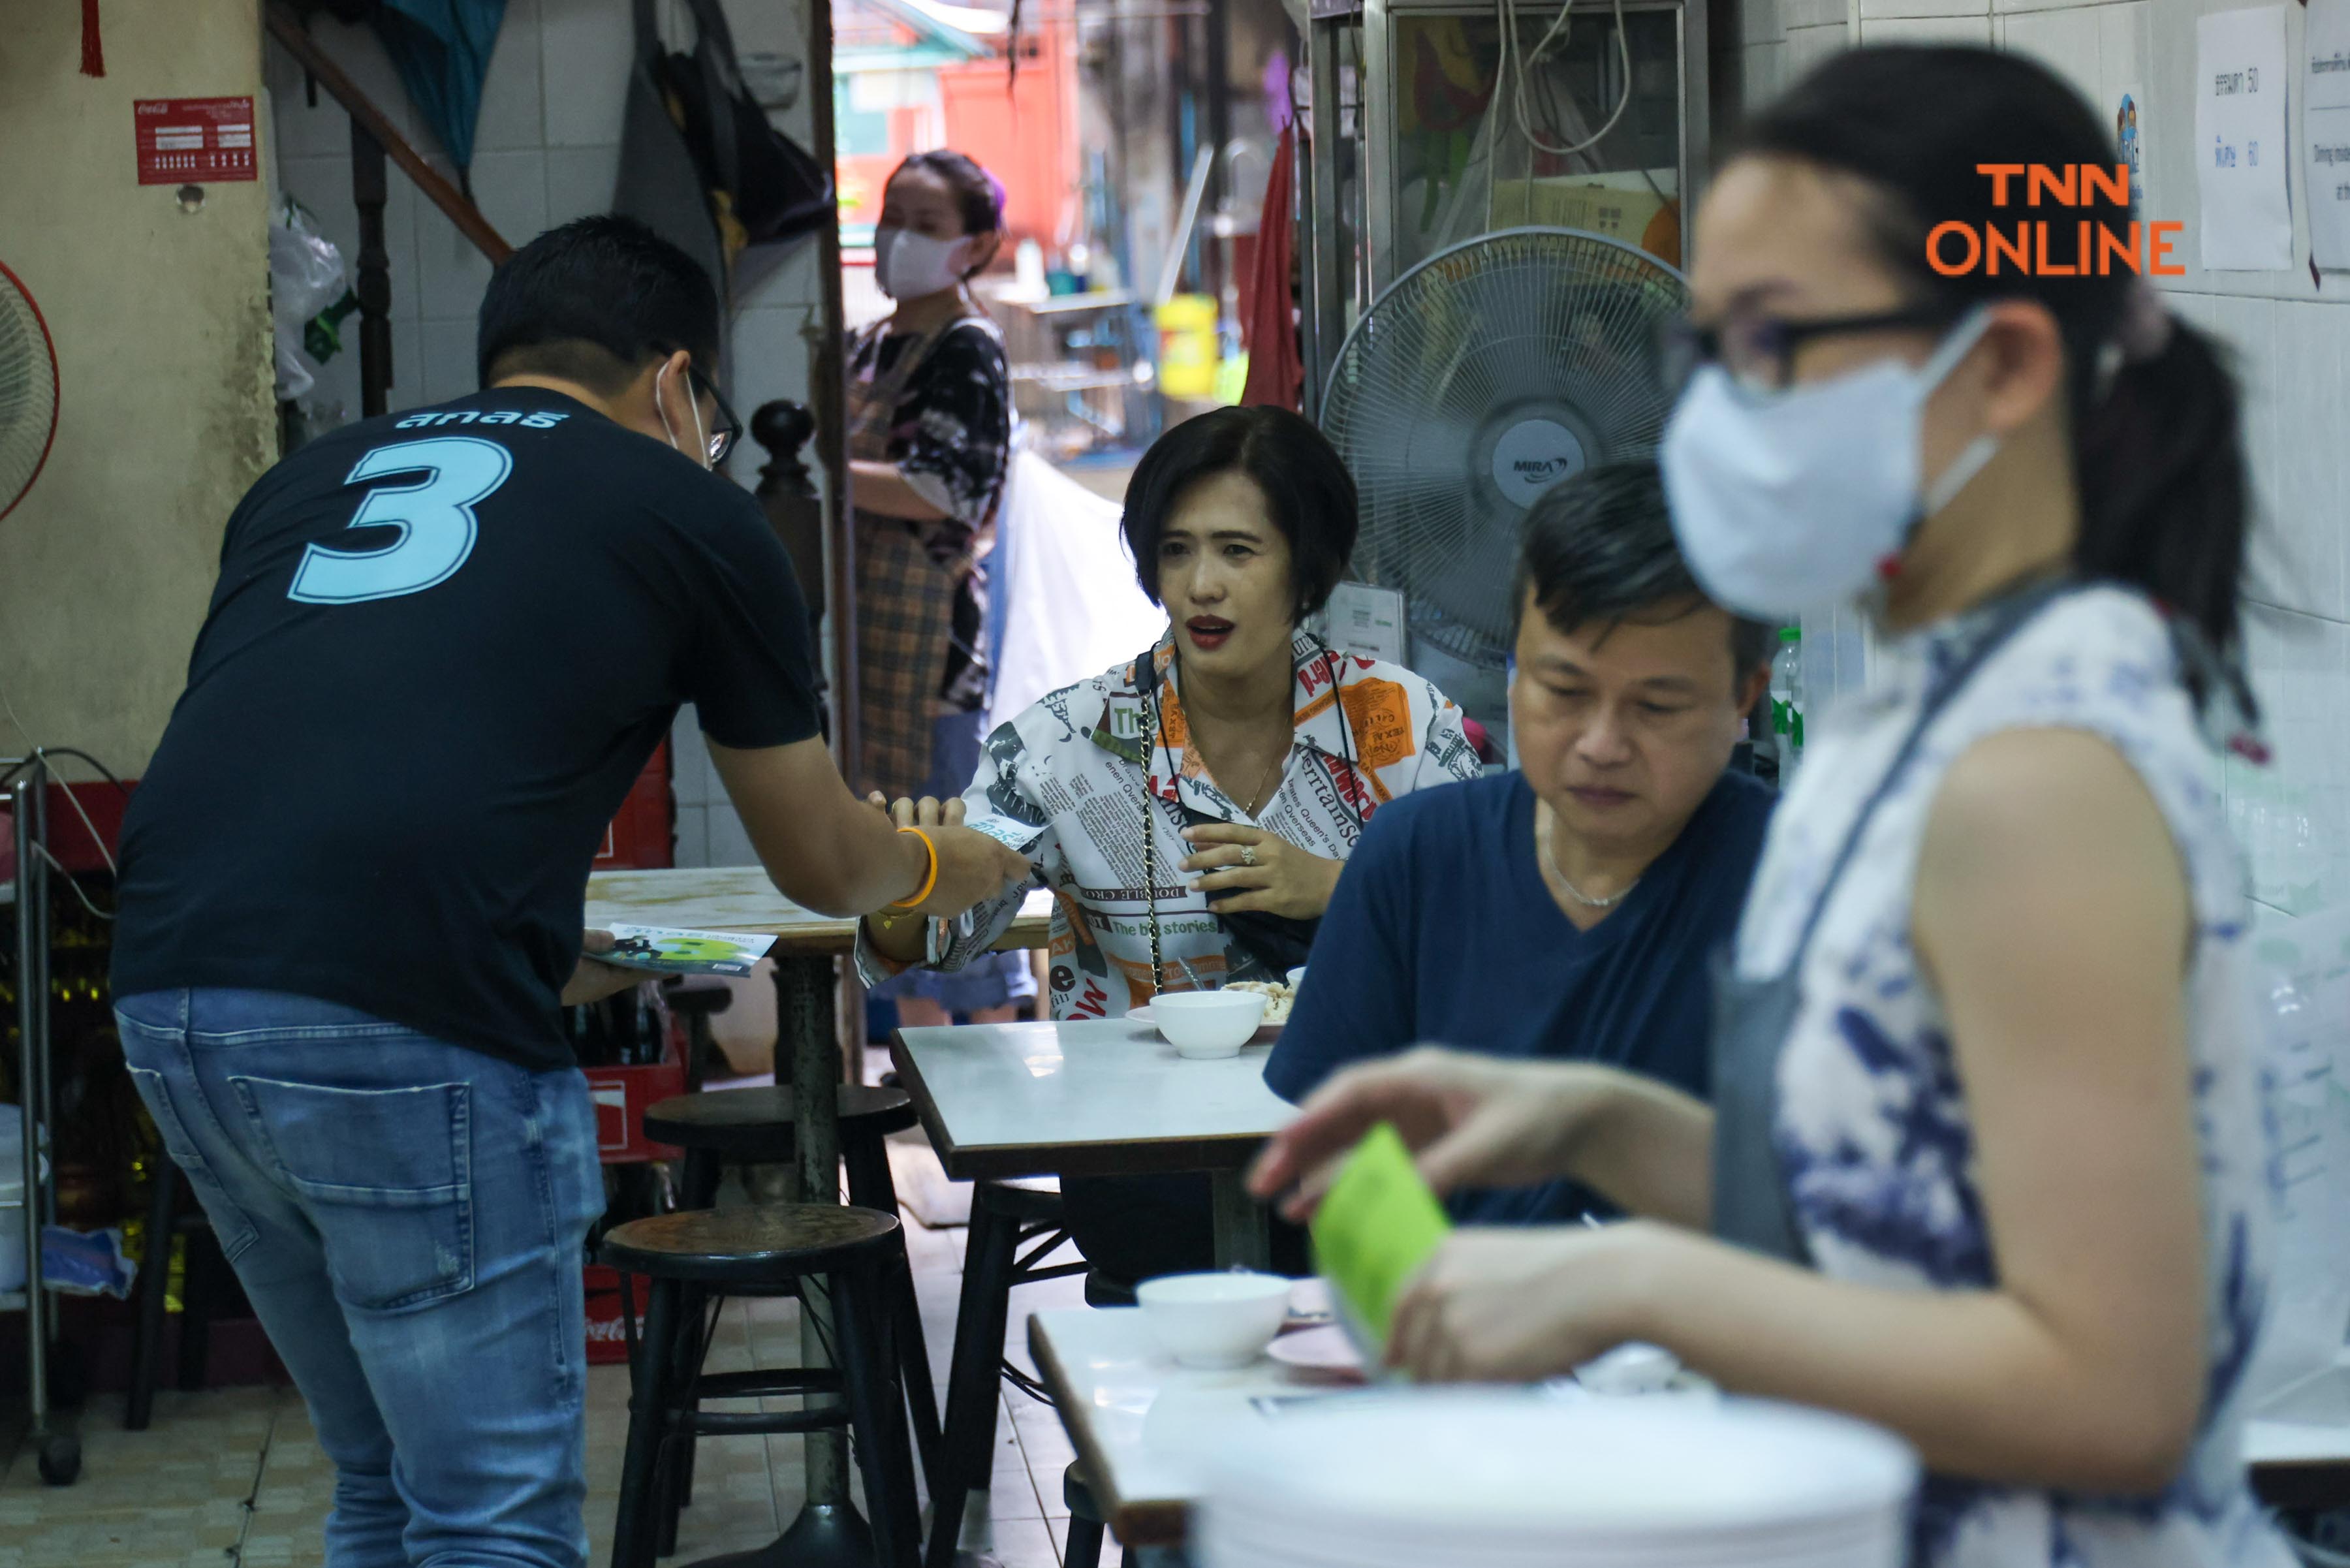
[(608, 1341), (640, 837), (622, 1096)]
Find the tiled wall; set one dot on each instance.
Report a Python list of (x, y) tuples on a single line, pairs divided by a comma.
[(546, 150), (2293, 342)]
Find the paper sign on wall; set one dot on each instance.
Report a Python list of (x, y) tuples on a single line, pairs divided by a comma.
[(2129, 137), (2240, 146), (2325, 130), (1365, 620)]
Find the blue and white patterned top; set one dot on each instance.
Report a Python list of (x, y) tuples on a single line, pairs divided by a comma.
[(1873, 1132)]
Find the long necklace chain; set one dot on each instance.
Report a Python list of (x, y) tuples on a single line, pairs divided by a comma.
[(1151, 846), (1547, 839)]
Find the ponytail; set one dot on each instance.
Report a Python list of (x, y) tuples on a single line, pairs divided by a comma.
[(2160, 459)]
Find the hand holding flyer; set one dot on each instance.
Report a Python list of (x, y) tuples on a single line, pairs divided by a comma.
[(1377, 1226), (666, 949)]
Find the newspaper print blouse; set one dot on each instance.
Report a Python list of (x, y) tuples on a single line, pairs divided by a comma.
[(1067, 781), (1873, 1132)]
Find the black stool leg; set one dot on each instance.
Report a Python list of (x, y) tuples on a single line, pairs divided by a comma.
[(154, 1283), (968, 1441), (635, 1530), (870, 1185), (869, 1373), (1085, 1543), (204, 1280), (698, 1188)]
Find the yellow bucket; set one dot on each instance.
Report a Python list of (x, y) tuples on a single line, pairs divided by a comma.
[(1188, 349)]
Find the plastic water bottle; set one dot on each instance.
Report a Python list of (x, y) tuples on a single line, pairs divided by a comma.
[(1787, 703)]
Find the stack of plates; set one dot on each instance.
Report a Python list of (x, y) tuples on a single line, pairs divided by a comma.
[(1508, 1480)]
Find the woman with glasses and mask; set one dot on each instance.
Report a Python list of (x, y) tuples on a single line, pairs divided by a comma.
[(930, 441), (1987, 1162)]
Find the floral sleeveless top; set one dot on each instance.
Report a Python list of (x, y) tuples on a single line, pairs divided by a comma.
[(1872, 1132)]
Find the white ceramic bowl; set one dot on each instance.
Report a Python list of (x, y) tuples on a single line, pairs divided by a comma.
[(1297, 977), (1205, 1024), (1214, 1320)]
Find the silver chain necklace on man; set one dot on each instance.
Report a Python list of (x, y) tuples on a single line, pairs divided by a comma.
[(1545, 838)]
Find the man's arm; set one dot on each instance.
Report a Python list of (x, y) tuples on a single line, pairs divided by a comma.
[(829, 852)]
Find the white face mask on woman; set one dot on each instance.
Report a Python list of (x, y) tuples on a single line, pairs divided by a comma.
[(908, 265), (1799, 500)]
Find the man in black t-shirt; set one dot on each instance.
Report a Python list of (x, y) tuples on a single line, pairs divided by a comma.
[(441, 648)]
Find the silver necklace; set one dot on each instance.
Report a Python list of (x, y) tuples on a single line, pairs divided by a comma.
[(1550, 865)]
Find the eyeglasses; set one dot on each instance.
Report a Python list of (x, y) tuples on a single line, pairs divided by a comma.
[(1760, 352), (728, 430)]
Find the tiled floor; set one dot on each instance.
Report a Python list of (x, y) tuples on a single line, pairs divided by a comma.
[(235, 1477)]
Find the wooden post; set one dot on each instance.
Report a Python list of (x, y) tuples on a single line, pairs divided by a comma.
[(370, 190)]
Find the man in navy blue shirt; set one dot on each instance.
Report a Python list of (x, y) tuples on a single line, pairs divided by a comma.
[(1569, 909)]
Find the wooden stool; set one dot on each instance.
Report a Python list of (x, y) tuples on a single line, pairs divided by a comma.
[(754, 1126), (764, 1249)]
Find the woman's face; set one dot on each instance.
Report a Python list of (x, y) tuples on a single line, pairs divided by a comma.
[(920, 202), (1224, 577), (1784, 241)]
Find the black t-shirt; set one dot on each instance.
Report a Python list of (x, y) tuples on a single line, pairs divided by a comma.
[(443, 647)]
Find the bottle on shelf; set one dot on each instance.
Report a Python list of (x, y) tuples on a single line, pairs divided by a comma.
[(1787, 703)]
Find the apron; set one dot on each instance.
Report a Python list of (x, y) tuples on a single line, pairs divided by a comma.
[(1752, 1018), (905, 600)]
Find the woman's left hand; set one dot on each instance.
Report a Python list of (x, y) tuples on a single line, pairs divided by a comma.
[(1513, 1305), (1271, 873)]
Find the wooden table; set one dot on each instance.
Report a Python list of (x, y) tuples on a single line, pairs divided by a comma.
[(1004, 1100), (742, 899), (1141, 1422)]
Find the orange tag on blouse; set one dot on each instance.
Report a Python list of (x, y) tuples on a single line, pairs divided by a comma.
[(1380, 715)]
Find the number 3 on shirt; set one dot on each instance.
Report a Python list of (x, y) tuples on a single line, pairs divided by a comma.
[(435, 519)]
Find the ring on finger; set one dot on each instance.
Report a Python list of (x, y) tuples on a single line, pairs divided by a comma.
[(1248, 854)]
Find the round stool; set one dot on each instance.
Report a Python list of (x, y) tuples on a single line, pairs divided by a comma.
[(857, 1252), (755, 1126)]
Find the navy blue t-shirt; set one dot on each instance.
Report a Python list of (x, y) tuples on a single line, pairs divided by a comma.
[(1442, 933)]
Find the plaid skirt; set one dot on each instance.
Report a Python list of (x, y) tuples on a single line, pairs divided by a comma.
[(905, 625)]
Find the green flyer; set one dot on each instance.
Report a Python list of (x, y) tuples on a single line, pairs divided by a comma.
[(666, 950), (1376, 1227)]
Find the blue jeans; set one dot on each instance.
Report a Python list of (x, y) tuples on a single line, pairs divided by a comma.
[(409, 1217)]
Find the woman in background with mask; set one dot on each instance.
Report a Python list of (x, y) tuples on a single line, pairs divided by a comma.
[(1988, 1163), (930, 417)]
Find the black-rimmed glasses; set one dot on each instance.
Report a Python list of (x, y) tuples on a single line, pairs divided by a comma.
[(729, 427), (1760, 351)]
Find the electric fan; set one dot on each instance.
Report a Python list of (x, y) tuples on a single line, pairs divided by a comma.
[(1479, 380), (29, 391)]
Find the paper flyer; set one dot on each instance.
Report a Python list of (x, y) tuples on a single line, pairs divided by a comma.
[(2325, 131), (1367, 620), (668, 950), (2242, 151), (2129, 137)]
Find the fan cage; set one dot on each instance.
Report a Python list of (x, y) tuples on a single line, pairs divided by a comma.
[(29, 391)]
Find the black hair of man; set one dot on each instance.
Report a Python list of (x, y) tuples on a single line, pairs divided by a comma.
[(1599, 549), (1307, 489), (594, 302)]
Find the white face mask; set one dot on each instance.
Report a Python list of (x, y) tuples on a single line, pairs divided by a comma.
[(908, 265), (1800, 501), (701, 450)]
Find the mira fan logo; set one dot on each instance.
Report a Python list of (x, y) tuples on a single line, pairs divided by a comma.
[(2090, 245)]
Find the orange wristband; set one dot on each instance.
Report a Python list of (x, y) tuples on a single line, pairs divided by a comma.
[(931, 882)]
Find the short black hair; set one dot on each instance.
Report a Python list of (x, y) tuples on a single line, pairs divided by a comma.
[(1599, 546), (594, 302), (1307, 489)]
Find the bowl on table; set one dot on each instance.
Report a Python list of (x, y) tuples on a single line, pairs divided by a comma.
[(1217, 1321), (1207, 1024)]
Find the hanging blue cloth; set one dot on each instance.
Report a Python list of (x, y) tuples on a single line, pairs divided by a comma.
[(442, 48)]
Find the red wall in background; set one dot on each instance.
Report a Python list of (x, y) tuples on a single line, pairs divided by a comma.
[(1025, 132)]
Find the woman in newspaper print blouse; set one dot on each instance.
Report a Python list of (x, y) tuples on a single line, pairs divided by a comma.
[(1245, 752)]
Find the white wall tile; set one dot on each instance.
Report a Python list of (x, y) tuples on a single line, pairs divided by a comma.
[(1761, 22), (692, 777), (450, 369), (2069, 41), (1797, 14), (2013, 5), (587, 48), (691, 847), (407, 367), (730, 845), (1927, 30), (512, 117), (304, 131), (510, 188), (770, 358), (2302, 386), (1764, 67), (1807, 46), (2125, 54), (1874, 10), (580, 182)]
